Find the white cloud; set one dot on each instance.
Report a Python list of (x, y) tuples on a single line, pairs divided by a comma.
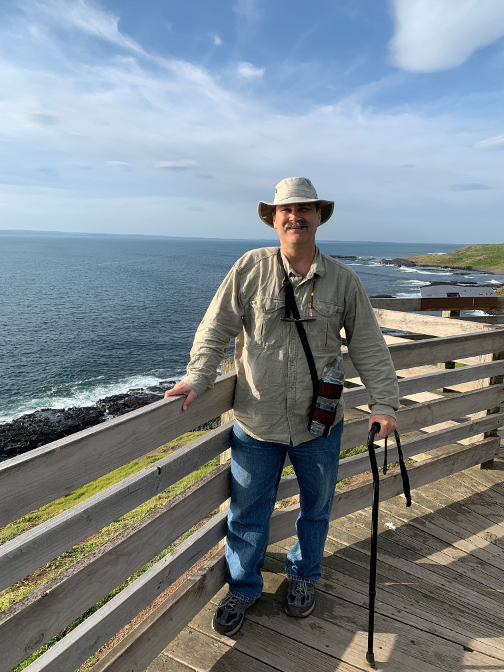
[(217, 40), (434, 35), (248, 71), (495, 143), (180, 164), (86, 17)]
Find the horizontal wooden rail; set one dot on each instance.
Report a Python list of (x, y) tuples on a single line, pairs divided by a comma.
[(358, 396), (23, 554), (146, 642), (44, 474), (429, 413), (414, 304), (427, 324), (433, 350)]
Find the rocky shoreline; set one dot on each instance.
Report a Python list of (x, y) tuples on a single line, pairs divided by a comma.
[(409, 263), (33, 430)]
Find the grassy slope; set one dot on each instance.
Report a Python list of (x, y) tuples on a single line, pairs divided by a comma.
[(478, 256)]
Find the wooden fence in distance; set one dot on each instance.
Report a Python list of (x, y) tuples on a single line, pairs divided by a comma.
[(459, 408)]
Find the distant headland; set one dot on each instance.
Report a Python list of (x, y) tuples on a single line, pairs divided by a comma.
[(487, 258)]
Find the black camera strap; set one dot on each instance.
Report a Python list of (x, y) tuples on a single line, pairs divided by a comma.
[(291, 307)]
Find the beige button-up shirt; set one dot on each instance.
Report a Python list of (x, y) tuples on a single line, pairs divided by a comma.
[(274, 389)]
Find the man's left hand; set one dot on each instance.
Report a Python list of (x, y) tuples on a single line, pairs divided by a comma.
[(387, 425)]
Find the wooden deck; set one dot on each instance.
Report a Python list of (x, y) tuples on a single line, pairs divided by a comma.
[(440, 602)]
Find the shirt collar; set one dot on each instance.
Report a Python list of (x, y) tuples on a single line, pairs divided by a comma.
[(317, 267)]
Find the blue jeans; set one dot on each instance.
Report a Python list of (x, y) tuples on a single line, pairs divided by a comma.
[(256, 467)]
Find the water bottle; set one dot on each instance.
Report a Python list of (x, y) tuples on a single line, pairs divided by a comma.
[(330, 389)]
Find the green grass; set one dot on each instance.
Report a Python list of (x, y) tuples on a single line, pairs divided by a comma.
[(478, 256)]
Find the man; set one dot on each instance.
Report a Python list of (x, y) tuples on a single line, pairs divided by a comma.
[(274, 391)]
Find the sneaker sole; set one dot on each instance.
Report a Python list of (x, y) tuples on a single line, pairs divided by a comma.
[(304, 614)]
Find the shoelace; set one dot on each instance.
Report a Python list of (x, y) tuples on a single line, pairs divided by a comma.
[(232, 602), (301, 588)]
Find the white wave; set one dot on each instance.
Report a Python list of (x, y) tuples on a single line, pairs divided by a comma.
[(406, 269), (437, 254), (350, 264), (494, 282), (411, 282), (70, 394), (407, 295)]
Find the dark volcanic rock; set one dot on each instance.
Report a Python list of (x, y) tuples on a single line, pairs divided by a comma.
[(398, 262), (382, 296), (36, 429), (343, 256)]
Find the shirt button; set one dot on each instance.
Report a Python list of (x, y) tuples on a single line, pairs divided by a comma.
[(291, 388)]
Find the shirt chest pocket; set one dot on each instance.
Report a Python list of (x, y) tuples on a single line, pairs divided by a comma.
[(324, 333), (265, 325)]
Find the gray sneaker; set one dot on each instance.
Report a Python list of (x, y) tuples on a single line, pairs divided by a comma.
[(228, 617), (300, 598)]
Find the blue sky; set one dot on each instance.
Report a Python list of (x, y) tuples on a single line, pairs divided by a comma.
[(176, 118)]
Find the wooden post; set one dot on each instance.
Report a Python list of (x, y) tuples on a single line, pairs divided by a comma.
[(495, 380), (450, 313)]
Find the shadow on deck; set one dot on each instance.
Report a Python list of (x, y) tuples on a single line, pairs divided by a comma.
[(440, 601)]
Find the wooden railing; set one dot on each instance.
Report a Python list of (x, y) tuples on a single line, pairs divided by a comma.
[(47, 473)]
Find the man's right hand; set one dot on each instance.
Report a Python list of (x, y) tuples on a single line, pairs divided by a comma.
[(182, 388)]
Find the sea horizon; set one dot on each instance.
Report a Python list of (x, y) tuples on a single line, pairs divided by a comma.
[(274, 241)]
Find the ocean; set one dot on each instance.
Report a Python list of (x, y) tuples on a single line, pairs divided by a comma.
[(83, 317)]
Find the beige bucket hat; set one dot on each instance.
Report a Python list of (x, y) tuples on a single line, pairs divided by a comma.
[(294, 190)]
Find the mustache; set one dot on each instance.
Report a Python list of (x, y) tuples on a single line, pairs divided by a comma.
[(300, 224)]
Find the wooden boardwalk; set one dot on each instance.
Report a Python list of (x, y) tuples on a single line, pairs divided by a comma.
[(440, 602)]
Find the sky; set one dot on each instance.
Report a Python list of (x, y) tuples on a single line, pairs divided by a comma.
[(170, 118)]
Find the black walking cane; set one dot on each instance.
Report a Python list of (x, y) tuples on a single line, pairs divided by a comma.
[(374, 524)]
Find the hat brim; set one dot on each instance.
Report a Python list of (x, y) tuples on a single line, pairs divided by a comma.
[(265, 210)]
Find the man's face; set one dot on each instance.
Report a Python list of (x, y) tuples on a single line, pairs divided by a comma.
[(296, 223)]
